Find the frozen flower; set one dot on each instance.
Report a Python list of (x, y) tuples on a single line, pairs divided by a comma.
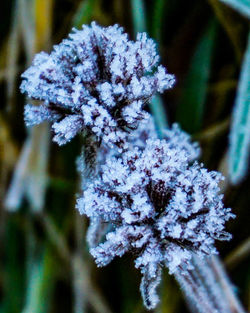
[(157, 205), (178, 138), (96, 80), (174, 136)]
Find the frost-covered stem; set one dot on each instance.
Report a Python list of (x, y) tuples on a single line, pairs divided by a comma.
[(226, 285), (214, 290), (89, 158), (207, 287), (193, 290), (80, 300)]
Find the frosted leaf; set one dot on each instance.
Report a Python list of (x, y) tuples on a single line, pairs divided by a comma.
[(97, 78)]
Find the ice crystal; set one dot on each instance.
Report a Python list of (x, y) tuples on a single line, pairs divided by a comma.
[(159, 205), (96, 80)]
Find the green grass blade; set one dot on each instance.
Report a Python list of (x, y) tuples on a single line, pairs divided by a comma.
[(13, 276), (157, 19), (231, 27), (242, 6), (84, 14), (138, 15), (158, 111), (192, 101), (240, 130), (40, 284), (139, 23)]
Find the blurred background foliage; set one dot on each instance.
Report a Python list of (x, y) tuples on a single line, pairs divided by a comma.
[(44, 264)]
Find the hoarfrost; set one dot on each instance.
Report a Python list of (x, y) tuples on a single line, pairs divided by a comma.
[(96, 80), (159, 204)]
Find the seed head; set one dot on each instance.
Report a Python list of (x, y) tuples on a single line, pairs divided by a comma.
[(96, 80), (158, 205)]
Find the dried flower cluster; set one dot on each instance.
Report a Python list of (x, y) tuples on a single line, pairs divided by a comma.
[(151, 199), (138, 138), (97, 80), (157, 205)]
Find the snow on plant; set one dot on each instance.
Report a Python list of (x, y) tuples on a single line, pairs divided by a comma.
[(158, 205), (96, 80)]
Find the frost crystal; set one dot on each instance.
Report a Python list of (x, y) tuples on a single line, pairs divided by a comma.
[(157, 205), (96, 80)]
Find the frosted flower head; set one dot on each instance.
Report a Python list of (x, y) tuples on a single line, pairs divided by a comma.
[(177, 138), (96, 80), (174, 136), (159, 206)]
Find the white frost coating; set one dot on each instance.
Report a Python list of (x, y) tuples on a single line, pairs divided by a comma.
[(98, 76), (151, 200), (161, 205), (37, 114), (67, 128), (174, 136)]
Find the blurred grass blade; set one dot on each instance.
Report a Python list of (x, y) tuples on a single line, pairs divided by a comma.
[(14, 273), (192, 101), (170, 295), (43, 27), (158, 111), (223, 280), (230, 25), (38, 159), (78, 290), (157, 19), (56, 237), (139, 16), (37, 176), (40, 284), (93, 295), (242, 6), (8, 148), (238, 255), (156, 104), (17, 187), (27, 27), (84, 14), (12, 57), (30, 176), (240, 131)]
